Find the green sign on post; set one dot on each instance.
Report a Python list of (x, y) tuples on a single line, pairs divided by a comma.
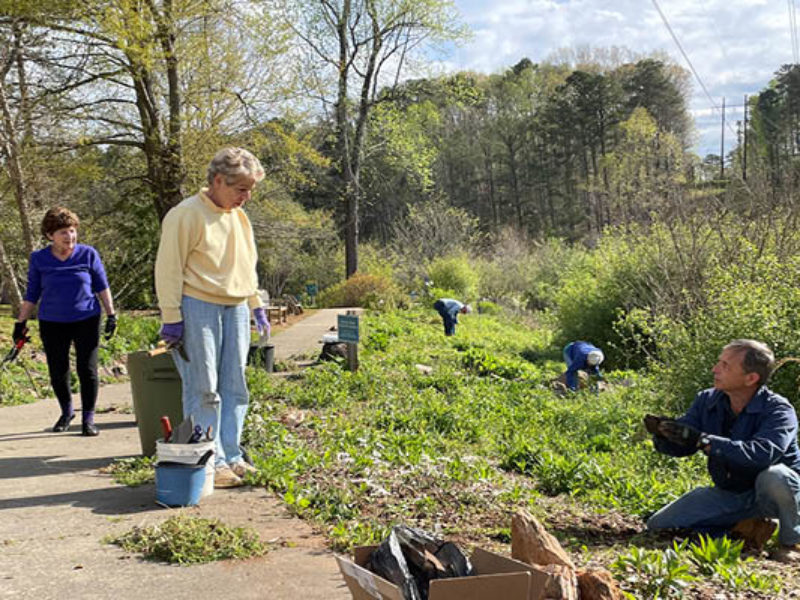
[(348, 328)]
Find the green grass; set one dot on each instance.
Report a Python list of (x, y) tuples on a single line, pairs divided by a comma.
[(463, 447)]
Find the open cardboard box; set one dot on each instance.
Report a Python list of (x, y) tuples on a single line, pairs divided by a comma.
[(495, 577)]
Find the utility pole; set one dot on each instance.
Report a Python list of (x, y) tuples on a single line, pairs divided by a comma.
[(722, 144), (744, 143)]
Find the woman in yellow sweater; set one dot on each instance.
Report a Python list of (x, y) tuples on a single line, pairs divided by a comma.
[(206, 285)]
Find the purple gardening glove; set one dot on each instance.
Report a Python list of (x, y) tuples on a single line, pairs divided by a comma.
[(171, 332), (262, 323)]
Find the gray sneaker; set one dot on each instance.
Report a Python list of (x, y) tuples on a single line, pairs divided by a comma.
[(225, 478), (242, 468)]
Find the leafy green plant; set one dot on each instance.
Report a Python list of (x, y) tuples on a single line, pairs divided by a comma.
[(654, 573), (709, 554), (189, 540), (721, 558)]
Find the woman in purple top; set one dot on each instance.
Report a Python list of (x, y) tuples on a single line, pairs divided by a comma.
[(69, 282)]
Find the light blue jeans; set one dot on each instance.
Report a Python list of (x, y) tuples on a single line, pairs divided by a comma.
[(216, 339), (712, 510)]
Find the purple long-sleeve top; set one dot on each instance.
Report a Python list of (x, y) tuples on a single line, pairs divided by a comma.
[(67, 288)]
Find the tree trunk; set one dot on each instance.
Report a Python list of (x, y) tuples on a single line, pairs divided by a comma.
[(15, 171), (10, 281)]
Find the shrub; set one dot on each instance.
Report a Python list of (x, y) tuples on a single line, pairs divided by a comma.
[(454, 273), (760, 300), (488, 308), (646, 270), (370, 291)]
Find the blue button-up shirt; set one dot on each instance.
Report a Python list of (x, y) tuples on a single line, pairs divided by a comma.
[(762, 435), (575, 354)]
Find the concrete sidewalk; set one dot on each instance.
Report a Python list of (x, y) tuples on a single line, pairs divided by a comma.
[(56, 508)]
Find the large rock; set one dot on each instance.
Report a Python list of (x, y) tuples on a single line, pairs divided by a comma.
[(554, 582), (531, 543), (598, 584)]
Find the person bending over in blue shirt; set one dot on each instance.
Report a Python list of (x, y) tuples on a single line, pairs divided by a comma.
[(749, 434), (69, 282), (581, 356), (449, 310)]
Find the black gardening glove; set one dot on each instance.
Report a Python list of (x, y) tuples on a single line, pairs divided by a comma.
[(679, 433), (111, 327), (651, 423), (20, 332)]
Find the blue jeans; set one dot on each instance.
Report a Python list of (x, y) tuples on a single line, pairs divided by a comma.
[(713, 510), (449, 322), (216, 339)]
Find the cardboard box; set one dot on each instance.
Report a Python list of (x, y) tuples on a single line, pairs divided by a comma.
[(495, 577)]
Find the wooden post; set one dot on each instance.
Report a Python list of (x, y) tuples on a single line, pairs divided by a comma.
[(352, 356)]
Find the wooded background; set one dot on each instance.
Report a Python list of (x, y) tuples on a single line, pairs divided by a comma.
[(374, 169)]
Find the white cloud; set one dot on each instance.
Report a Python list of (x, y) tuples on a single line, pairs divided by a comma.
[(735, 45)]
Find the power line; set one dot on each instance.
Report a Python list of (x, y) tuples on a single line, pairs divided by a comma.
[(685, 56)]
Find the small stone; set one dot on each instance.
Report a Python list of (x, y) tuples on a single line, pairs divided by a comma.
[(598, 584)]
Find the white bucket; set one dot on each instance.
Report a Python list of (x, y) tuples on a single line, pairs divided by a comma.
[(330, 338), (188, 454)]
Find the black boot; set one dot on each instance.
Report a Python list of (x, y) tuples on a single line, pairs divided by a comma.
[(63, 423), (89, 429)]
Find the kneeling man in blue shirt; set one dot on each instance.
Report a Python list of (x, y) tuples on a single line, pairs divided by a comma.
[(749, 434)]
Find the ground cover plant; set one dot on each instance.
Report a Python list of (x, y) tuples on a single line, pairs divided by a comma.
[(459, 448)]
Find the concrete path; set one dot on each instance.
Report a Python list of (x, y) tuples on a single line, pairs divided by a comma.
[(56, 507)]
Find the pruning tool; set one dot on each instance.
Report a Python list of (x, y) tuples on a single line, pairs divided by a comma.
[(15, 349), (14, 353)]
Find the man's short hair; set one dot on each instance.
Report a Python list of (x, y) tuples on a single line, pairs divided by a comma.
[(757, 358)]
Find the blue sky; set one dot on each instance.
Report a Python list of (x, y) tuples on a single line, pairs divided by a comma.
[(735, 45)]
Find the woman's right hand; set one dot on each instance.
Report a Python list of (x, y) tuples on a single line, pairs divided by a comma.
[(20, 331)]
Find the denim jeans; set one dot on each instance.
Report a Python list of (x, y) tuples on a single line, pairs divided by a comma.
[(216, 338), (713, 510), (449, 322)]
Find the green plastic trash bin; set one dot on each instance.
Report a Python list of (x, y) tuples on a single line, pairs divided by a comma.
[(262, 357), (156, 390)]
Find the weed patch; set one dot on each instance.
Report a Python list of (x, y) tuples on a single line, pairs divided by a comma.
[(189, 540), (133, 471)]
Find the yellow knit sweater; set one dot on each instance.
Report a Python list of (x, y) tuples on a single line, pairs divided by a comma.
[(208, 253)]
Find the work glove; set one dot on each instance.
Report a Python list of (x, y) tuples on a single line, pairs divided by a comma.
[(171, 332), (262, 322), (651, 423), (20, 331), (111, 327), (679, 433)]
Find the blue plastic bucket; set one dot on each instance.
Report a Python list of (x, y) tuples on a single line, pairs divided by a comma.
[(179, 485)]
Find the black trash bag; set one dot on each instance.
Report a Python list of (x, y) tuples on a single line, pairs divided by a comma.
[(426, 558), (388, 561), (455, 562)]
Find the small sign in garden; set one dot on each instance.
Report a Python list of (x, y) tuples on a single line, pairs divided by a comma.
[(348, 328)]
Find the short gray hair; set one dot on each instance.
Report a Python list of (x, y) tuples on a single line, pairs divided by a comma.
[(234, 163), (758, 358)]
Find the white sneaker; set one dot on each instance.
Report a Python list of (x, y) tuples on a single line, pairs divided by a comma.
[(241, 468), (224, 477)]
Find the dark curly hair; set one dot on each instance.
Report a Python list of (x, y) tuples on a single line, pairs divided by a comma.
[(57, 218)]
